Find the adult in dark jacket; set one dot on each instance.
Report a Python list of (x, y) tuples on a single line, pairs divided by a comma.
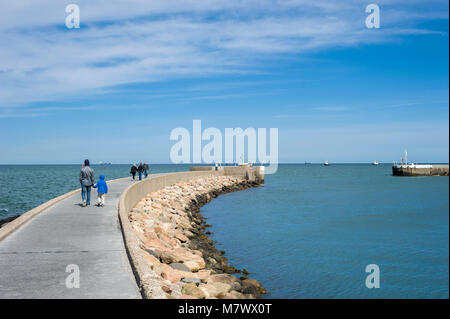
[(140, 171), (86, 181), (133, 170)]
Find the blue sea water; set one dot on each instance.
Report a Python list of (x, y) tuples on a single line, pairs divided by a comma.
[(309, 232)]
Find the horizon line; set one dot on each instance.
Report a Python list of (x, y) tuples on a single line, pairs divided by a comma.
[(226, 164)]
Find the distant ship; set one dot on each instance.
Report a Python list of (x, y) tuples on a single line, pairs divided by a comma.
[(103, 163), (326, 163), (375, 163)]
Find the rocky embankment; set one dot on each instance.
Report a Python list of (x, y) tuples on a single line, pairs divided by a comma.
[(173, 238)]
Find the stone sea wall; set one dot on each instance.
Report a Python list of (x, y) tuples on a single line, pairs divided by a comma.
[(172, 239)]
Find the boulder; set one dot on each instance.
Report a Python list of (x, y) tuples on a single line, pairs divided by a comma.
[(235, 295), (169, 257), (154, 252), (171, 274), (192, 290), (226, 279), (151, 260), (221, 289), (180, 266), (209, 290), (156, 243), (181, 237), (160, 268), (191, 280), (168, 240), (193, 266), (204, 274), (251, 286)]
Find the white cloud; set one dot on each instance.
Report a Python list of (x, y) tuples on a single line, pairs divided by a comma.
[(123, 42)]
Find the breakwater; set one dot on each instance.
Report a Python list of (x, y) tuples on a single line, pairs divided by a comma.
[(181, 260), (420, 170)]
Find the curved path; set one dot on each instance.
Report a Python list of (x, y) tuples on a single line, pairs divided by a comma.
[(34, 258)]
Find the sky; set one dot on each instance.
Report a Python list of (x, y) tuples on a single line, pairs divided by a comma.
[(114, 89)]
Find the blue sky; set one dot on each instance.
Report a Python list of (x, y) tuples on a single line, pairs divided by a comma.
[(115, 88)]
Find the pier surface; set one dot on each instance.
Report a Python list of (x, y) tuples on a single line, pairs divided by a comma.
[(34, 258)]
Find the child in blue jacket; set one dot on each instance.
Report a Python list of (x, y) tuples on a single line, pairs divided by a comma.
[(102, 189)]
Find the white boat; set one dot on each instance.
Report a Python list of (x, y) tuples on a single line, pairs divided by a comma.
[(375, 163), (326, 163)]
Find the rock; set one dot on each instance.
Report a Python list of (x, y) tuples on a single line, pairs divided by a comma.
[(235, 295), (192, 290), (166, 289), (156, 243), (180, 266), (199, 261), (154, 252), (181, 237), (193, 266), (168, 240), (140, 236), (191, 280), (204, 274), (151, 260), (221, 289), (160, 268), (171, 274), (254, 282), (251, 286), (229, 269), (209, 290), (211, 261), (226, 279), (168, 257)]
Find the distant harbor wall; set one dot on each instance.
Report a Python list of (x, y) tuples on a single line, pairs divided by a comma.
[(249, 172), (420, 170)]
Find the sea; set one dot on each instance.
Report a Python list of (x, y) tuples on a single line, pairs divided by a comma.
[(311, 231)]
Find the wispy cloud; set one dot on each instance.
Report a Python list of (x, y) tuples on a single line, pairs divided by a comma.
[(123, 42)]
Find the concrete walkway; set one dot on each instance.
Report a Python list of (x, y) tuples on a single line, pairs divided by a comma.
[(34, 258)]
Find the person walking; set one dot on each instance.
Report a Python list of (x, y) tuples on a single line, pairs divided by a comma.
[(86, 181), (133, 170), (102, 189), (140, 171), (146, 169)]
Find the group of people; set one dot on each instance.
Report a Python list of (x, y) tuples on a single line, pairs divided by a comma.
[(87, 181), (141, 169)]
